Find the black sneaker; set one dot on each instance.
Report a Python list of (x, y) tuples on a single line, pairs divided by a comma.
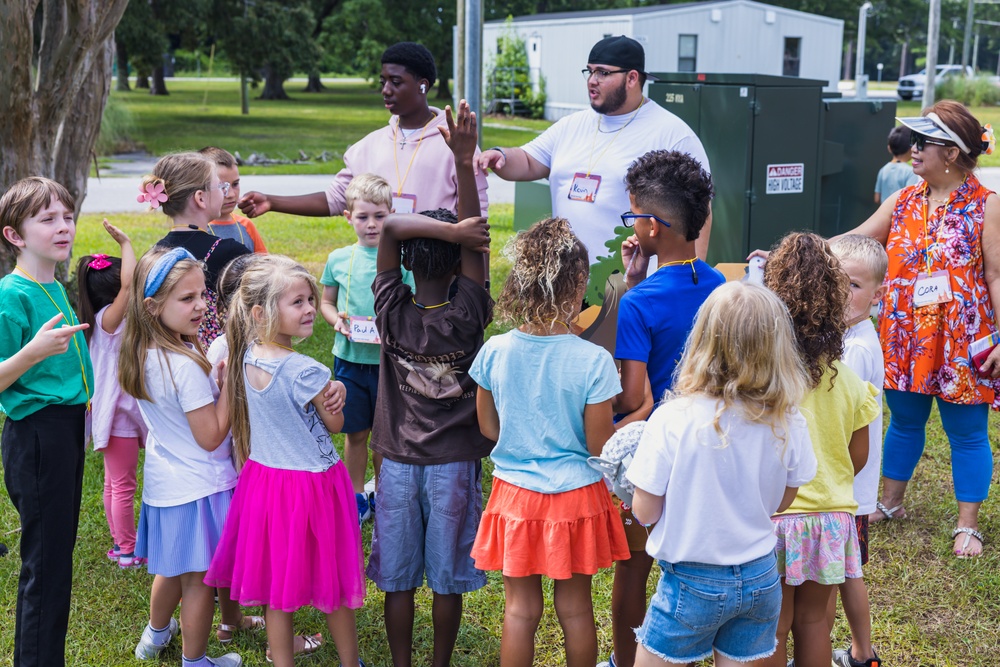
[(843, 658)]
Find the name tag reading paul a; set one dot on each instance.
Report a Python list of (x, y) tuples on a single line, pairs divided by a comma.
[(584, 187), (932, 289), (363, 330)]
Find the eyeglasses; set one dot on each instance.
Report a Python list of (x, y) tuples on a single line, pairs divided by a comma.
[(921, 141), (601, 74), (225, 187), (628, 218)]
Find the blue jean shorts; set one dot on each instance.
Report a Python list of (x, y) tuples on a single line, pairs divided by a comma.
[(730, 608), (426, 521), (361, 382)]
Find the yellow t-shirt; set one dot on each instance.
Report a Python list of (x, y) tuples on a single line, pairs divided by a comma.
[(833, 414)]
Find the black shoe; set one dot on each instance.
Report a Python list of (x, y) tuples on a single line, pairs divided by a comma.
[(3, 550)]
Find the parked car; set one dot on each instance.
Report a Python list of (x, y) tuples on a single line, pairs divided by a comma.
[(912, 86)]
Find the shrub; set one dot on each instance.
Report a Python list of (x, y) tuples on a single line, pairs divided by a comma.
[(510, 77), (117, 128), (976, 91)]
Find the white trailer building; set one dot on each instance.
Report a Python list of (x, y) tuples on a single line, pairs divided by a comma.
[(724, 36)]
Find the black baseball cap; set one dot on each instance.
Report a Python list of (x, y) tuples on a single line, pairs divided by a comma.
[(620, 51)]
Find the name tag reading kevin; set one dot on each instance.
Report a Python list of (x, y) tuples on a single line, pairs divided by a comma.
[(404, 203), (363, 330), (932, 289), (584, 187)]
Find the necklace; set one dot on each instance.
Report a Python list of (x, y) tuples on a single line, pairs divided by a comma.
[(423, 307), (189, 228), (593, 144), (239, 228), (395, 156), (68, 320), (562, 323), (283, 347), (694, 273)]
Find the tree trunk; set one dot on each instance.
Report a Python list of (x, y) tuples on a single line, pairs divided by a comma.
[(904, 58), (159, 84), (121, 56), (443, 92), (848, 72), (315, 84), (274, 86), (40, 134), (141, 81)]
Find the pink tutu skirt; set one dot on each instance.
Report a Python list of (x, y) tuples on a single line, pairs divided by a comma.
[(291, 540)]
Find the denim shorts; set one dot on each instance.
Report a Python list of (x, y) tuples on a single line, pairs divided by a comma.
[(361, 382), (426, 518), (730, 608)]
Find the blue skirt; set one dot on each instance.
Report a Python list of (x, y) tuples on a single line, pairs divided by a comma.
[(181, 539)]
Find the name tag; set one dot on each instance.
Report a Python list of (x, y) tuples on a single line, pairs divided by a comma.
[(932, 289), (584, 187), (363, 330), (404, 203)]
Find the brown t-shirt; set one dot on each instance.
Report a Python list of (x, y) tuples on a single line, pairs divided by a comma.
[(426, 409)]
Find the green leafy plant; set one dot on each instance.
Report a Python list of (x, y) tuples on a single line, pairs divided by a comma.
[(510, 77), (974, 91)]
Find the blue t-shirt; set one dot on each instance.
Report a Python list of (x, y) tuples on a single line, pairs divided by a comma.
[(541, 386), (894, 176), (655, 317)]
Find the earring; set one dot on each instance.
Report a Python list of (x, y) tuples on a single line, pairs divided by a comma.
[(946, 169), (423, 88)]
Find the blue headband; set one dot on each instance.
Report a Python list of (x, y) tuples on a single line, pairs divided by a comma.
[(162, 268)]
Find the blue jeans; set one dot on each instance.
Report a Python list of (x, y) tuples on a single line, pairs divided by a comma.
[(966, 428), (699, 607)]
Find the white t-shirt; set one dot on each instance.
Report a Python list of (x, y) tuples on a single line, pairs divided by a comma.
[(718, 500), (177, 470), (863, 355), (574, 145)]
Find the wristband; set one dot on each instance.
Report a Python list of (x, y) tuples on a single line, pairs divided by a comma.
[(498, 150)]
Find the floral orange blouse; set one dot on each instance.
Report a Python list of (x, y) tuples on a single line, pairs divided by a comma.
[(927, 348)]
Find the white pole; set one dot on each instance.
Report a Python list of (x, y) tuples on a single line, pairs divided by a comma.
[(474, 57), (933, 31), (969, 17), (860, 79)]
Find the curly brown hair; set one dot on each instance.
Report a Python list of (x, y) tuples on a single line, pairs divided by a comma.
[(550, 265), (803, 271)]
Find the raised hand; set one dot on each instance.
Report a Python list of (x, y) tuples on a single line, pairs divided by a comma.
[(461, 134), (120, 237)]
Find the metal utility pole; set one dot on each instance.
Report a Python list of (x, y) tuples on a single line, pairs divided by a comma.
[(933, 32), (969, 18), (474, 58), (459, 84), (860, 78)]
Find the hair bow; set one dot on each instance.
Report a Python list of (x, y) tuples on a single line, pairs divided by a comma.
[(989, 141), (99, 262), (152, 194)]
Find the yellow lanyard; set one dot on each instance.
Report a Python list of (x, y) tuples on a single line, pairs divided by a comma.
[(395, 157), (239, 227), (593, 144), (66, 317), (678, 263), (927, 248)]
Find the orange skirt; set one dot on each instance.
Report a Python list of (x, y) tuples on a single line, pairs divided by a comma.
[(523, 533)]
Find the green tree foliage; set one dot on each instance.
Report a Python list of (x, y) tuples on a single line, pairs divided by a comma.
[(509, 84), (269, 40)]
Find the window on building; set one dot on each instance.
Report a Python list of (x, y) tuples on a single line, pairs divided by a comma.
[(793, 52), (687, 53)]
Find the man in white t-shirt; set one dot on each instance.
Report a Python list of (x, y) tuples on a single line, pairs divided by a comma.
[(586, 154)]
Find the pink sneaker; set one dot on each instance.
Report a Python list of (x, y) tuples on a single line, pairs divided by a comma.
[(131, 562), (114, 553)]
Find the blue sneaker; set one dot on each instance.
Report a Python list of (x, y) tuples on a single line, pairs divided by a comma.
[(364, 508)]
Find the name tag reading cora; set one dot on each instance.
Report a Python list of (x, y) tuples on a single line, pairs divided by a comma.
[(363, 330), (932, 289), (584, 187), (404, 203)]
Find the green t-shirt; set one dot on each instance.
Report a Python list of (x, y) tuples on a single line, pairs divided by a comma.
[(58, 380), (352, 270)]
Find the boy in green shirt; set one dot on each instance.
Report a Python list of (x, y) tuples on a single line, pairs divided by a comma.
[(45, 387)]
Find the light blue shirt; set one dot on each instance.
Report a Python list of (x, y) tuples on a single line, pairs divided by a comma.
[(541, 386)]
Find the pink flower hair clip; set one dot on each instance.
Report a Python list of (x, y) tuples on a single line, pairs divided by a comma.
[(152, 194), (99, 262)]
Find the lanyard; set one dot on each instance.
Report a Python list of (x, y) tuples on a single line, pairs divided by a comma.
[(350, 270), (927, 214), (72, 321), (239, 227), (597, 129), (395, 157)]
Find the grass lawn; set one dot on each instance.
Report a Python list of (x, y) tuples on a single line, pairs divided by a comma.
[(928, 607), (312, 122)]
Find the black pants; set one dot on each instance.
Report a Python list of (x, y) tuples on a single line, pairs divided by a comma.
[(43, 458)]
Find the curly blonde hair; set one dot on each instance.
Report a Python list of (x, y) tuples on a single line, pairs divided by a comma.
[(549, 270), (803, 271)]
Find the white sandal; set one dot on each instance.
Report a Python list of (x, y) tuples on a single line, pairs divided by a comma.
[(890, 514), (256, 623), (312, 643), (969, 534)]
